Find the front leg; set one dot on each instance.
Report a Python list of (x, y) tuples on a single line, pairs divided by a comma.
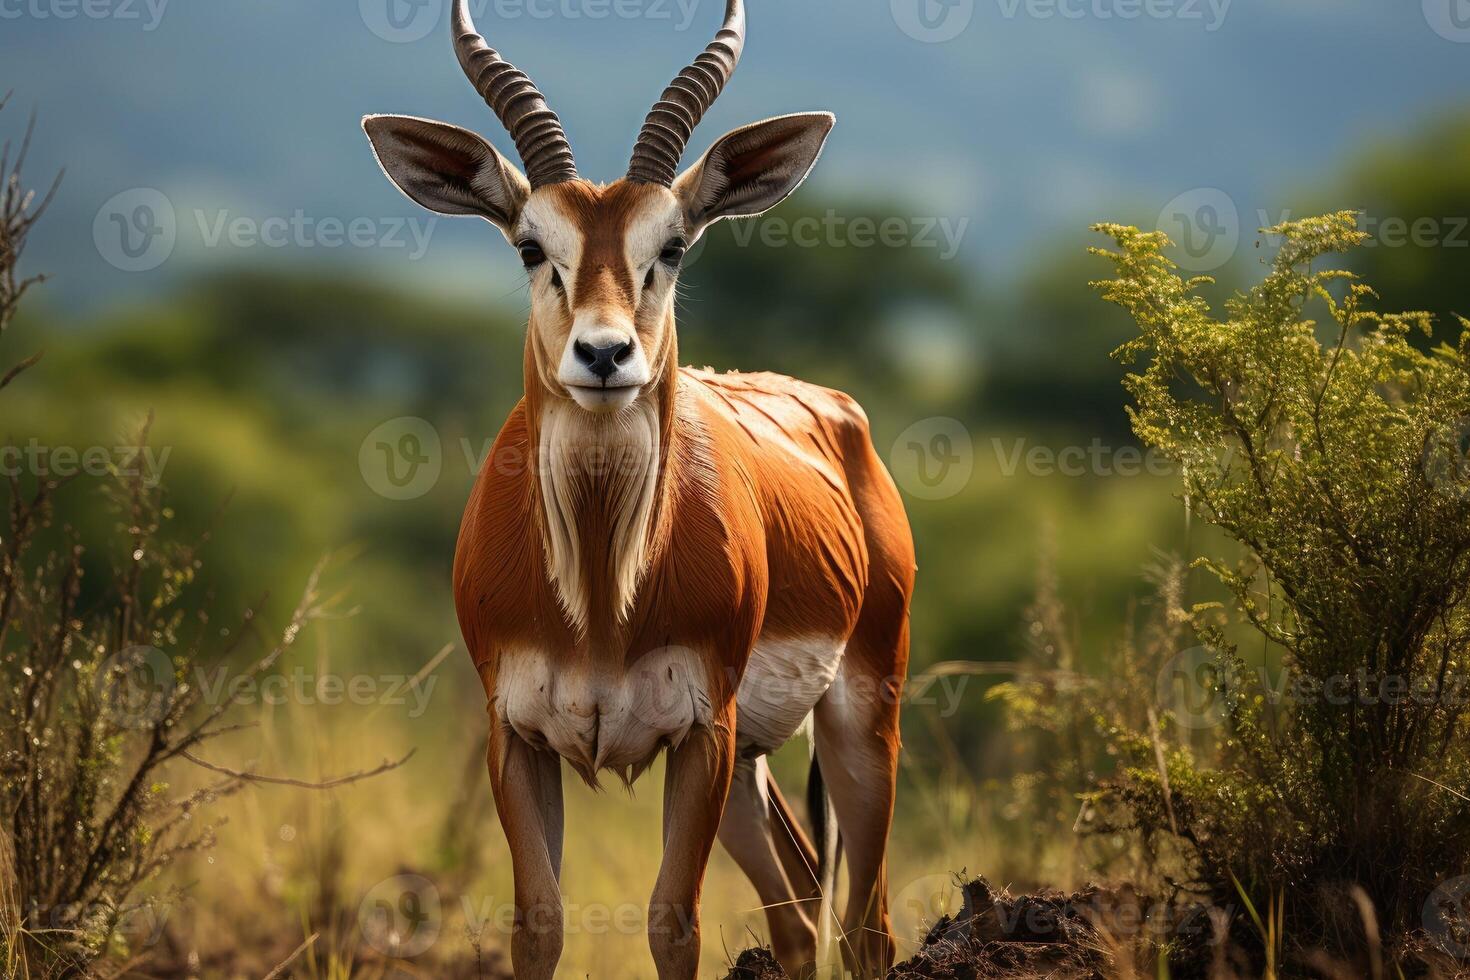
[(696, 784), (527, 786)]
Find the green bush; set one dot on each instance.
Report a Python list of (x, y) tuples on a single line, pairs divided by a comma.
[(94, 714), (1313, 433)]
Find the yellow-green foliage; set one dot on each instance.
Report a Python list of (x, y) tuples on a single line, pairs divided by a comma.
[(1313, 433)]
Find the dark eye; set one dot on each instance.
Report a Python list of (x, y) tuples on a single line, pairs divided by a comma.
[(531, 254), (673, 251)]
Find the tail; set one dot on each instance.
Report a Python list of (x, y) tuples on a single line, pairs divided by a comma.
[(828, 840)]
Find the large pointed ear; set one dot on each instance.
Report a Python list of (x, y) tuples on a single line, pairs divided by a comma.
[(751, 169), (447, 169)]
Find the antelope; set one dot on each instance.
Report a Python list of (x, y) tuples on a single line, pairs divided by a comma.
[(661, 559)]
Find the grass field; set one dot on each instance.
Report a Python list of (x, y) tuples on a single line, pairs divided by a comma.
[(290, 862)]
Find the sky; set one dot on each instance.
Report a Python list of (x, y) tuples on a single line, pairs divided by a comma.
[(199, 134)]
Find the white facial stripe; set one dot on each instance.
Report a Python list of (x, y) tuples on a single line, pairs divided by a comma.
[(558, 236), (604, 353), (647, 233)]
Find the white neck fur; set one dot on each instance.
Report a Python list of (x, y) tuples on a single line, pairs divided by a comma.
[(597, 461)]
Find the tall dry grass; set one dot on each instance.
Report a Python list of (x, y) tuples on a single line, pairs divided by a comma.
[(289, 864)]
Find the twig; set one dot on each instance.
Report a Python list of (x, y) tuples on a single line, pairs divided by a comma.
[(415, 680), (1153, 731), (14, 372), (1442, 786), (255, 777), (19, 212), (279, 971)]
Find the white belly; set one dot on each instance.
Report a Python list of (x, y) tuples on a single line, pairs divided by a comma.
[(783, 682), (598, 718)]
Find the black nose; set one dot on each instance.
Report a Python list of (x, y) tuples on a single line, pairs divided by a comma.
[(602, 361)]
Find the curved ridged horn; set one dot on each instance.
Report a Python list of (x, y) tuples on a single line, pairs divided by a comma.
[(538, 135), (671, 122)]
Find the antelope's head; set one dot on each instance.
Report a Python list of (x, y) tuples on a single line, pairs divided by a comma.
[(602, 258)]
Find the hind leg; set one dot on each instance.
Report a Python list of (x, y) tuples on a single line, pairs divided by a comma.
[(750, 833), (857, 746), (796, 852)]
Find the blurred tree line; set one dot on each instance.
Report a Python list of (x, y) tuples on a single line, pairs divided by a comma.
[(265, 384)]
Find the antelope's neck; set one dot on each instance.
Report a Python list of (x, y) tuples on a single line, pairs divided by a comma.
[(601, 489)]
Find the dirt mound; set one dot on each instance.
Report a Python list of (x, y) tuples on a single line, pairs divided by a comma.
[(1047, 934), (994, 935), (756, 964)]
